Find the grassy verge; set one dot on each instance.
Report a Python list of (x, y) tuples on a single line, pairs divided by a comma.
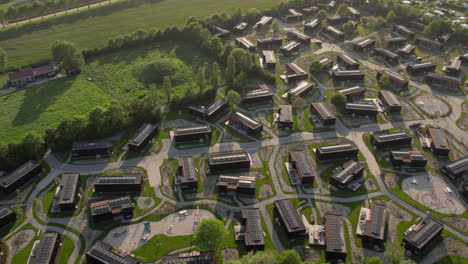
[(66, 250), (160, 245)]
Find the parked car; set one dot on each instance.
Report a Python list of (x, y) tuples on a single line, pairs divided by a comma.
[(415, 125)]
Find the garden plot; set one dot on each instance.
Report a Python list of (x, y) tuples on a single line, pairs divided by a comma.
[(131, 237), (435, 193)]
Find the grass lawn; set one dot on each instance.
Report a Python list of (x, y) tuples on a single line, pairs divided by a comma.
[(160, 245), (30, 47), (67, 250), (43, 106), (452, 259), (20, 212)]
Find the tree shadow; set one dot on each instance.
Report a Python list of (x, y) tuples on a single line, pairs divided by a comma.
[(37, 99)]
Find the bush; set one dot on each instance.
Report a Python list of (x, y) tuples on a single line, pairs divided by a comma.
[(155, 71)]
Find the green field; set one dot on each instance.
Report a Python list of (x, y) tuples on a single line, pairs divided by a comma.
[(29, 47), (113, 76), (44, 106)]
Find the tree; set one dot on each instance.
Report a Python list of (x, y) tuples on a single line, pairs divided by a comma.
[(373, 260), (275, 26), (260, 257), (209, 234), (338, 100), (3, 60), (343, 10), (394, 251), (201, 79), (167, 87), (231, 70), (67, 54), (215, 75), (289, 257), (407, 261), (322, 15), (391, 17), (316, 66), (2, 17), (233, 98), (374, 22), (348, 28)]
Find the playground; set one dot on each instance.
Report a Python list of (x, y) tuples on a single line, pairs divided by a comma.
[(181, 223), (435, 193)]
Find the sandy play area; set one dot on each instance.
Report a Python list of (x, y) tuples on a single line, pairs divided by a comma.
[(130, 237), (435, 193)]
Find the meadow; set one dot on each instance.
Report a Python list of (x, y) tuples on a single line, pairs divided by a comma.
[(44, 106), (29, 47), (107, 77)]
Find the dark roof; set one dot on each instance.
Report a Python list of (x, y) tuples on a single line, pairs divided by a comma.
[(337, 148), (264, 91), (348, 73), (269, 56), (408, 156), (408, 48), (5, 211), (348, 171), (290, 217), (192, 130), (253, 226), (375, 227), (326, 62), (423, 232), (194, 257), (91, 144), (389, 98), (43, 252), (397, 39), (32, 71), (187, 166), (423, 65), (234, 182), (300, 88), (353, 90), (293, 12), (285, 113), (245, 42), (108, 206), (68, 184), (386, 53), (117, 180), (365, 43), (209, 110), (142, 133), (362, 106), (455, 64), (293, 68), (334, 30), (322, 111), (312, 23), (218, 31), (428, 41), (457, 166), (228, 157), (264, 20), (290, 45), (353, 11), (347, 59), (304, 168), (438, 138), (106, 254), (404, 29), (298, 34), (334, 233), (19, 173), (390, 136), (433, 75), (241, 26), (246, 120), (269, 40), (394, 76)]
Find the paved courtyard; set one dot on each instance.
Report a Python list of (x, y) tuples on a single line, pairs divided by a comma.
[(435, 193), (131, 237)]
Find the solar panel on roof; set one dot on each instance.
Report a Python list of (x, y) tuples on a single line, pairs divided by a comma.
[(188, 168), (69, 188), (425, 232), (393, 136), (338, 147), (377, 219), (233, 157), (190, 130), (247, 119)]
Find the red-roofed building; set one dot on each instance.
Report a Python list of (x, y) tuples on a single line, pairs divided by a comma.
[(31, 74)]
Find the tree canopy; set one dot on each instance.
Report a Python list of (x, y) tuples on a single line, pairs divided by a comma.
[(67, 54), (3, 60), (322, 15), (338, 100), (209, 234), (316, 66), (394, 251), (233, 98)]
